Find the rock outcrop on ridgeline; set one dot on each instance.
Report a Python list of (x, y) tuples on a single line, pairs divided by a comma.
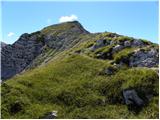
[(129, 51), (3, 44), (17, 56), (144, 58)]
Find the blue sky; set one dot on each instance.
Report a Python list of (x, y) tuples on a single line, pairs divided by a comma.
[(136, 19)]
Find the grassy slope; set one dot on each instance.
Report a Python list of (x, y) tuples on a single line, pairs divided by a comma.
[(75, 87)]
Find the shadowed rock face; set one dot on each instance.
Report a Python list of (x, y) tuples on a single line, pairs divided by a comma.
[(16, 57), (3, 44), (131, 97)]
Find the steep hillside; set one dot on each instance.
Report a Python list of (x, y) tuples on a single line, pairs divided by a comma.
[(101, 75), (52, 39)]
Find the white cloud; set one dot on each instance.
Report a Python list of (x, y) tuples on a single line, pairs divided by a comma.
[(67, 18), (10, 34)]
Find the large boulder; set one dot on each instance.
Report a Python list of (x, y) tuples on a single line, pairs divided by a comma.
[(131, 98)]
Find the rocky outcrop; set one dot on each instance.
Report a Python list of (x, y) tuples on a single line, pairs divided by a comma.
[(144, 58), (117, 48), (99, 43), (17, 56), (127, 44), (3, 44), (136, 43), (145, 54)]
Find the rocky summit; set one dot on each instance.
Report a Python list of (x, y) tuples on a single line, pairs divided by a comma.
[(16, 57), (64, 71)]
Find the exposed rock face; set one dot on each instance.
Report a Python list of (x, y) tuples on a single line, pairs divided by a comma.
[(3, 44), (131, 98), (144, 58), (137, 43), (127, 44), (99, 43), (64, 39), (145, 55), (16, 57), (117, 48)]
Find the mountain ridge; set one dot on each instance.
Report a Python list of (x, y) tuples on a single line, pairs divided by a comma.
[(71, 73), (33, 44)]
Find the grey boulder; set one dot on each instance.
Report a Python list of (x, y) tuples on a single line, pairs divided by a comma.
[(131, 98), (127, 44), (117, 48), (99, 43)]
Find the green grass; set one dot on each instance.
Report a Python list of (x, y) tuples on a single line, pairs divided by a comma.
[(124, 38), (65, 86), (123, 55), (146, 42)]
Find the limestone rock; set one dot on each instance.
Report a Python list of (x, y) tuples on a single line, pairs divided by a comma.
[(99, 43), (137, 42), (127, 44), (144, 58), (17, 56)]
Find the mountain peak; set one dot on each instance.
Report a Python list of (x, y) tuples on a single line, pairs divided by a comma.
[(57, 38), (72, 26)]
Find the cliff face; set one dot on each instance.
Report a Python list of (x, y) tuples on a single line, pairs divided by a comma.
[(16, 57)]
